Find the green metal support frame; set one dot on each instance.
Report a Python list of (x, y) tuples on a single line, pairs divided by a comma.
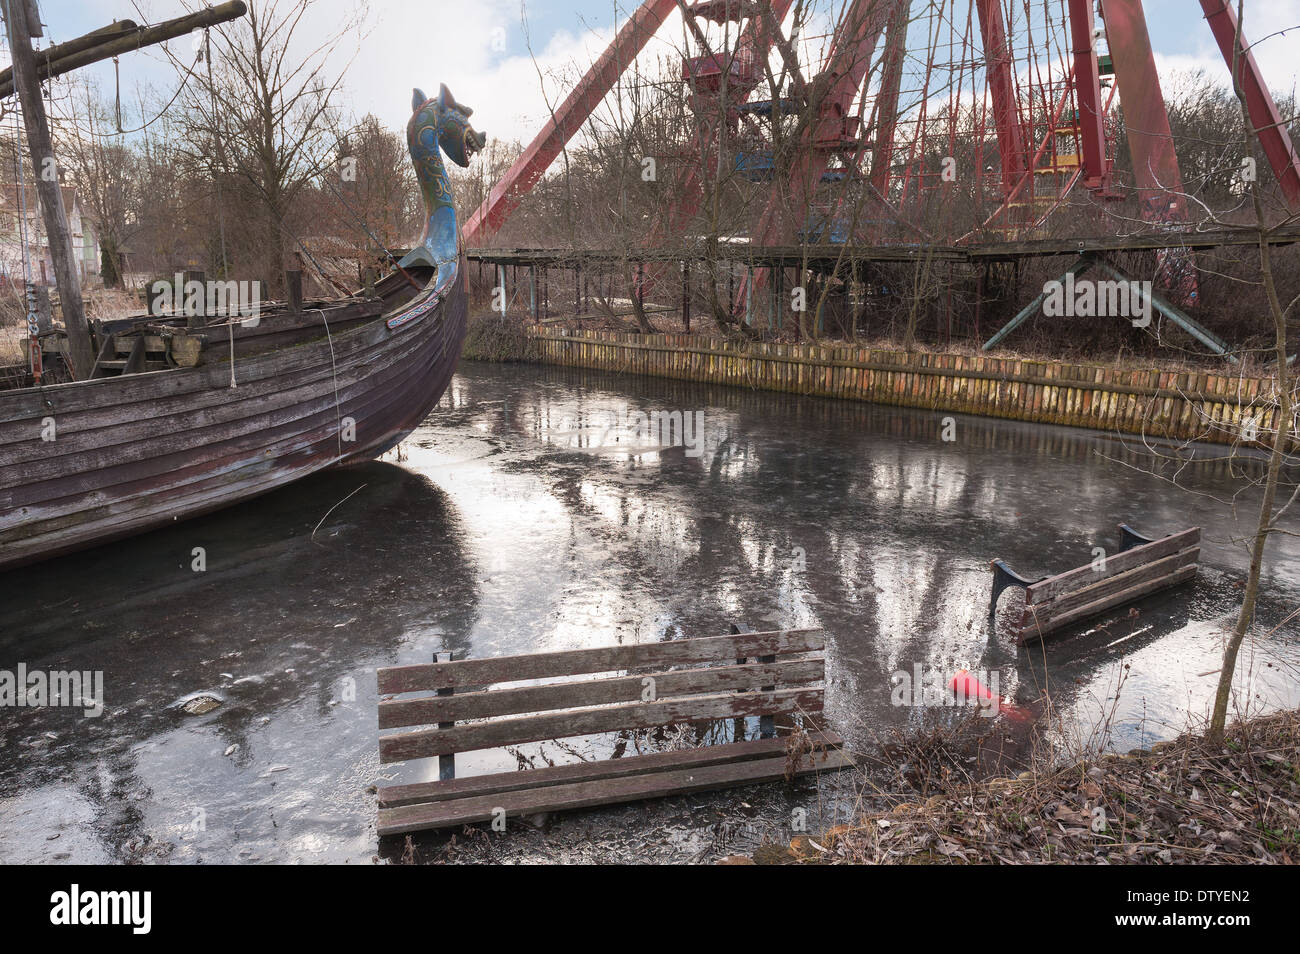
[(1175, 314), (1179, 317), (1081, 265)]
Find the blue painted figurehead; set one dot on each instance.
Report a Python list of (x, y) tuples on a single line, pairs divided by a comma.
[(439, 126)]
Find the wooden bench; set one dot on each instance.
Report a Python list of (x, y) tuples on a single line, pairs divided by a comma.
[(1141, 567), (719, 681)]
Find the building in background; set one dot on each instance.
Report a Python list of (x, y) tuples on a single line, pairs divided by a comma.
[(85, 246)]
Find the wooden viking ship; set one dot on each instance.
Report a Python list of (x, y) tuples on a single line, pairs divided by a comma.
[(240, 405)]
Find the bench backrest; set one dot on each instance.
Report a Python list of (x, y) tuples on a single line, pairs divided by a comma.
[(1084, 591), (746, 674)]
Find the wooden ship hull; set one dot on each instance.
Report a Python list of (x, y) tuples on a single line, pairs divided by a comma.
[(331, 383), (250, 402)]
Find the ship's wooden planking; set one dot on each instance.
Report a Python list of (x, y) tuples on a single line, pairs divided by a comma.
[(90, 461), (254, 405)]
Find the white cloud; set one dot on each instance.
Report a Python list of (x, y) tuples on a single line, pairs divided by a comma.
[(1262, 22), (414, 43), (410, 43)]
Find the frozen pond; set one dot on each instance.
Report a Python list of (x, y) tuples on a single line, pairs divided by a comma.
[(532, 513)]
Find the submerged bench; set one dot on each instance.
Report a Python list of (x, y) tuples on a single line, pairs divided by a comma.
[(683, 681), (1141, 567)]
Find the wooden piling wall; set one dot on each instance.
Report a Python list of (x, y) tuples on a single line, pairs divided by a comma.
[(1178, 405)]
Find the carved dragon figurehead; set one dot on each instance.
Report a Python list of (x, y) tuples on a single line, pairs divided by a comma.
[(439, 125)]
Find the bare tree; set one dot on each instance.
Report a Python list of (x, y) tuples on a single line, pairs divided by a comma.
[(262, 117), (107, 176), (372, 195)]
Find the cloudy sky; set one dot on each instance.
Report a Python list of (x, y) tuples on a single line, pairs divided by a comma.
[(491, 52)]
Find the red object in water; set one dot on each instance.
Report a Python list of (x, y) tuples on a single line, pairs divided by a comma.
[(966, 687)]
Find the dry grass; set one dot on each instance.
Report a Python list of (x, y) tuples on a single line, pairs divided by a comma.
[(11, 345), (1184, 801), (108, 304), (489, 337), (13, 330)]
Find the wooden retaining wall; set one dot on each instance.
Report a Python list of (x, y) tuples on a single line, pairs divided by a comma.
[(1178, 405)]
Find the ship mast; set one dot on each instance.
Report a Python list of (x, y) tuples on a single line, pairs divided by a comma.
[(21, 20)]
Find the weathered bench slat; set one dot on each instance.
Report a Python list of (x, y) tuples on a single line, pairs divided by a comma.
[(720, 679), (1031, 630), (1116, 564), (1109, 585), (410, 818), (394, 713), (424, 743), (573, 662), (392, 796)]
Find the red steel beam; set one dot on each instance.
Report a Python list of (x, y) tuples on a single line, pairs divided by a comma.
[(1155, 166), (567, 120), (1264, 116), (851, 49), (1087, 90), (850, 54), (1006, 115), (886, 107), (1151, 142), (756, 40)]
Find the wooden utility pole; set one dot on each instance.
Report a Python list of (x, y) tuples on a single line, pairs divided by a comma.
[(124, 36), (53, 54), (80, 352)]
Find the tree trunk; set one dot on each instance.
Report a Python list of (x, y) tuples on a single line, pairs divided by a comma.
[(636, 289), (109, 263), (1223, 695)]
